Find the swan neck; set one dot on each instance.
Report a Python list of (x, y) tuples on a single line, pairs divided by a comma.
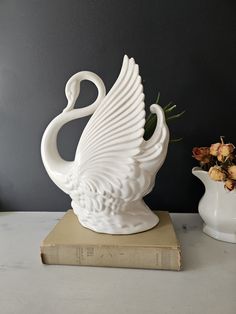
[(55, 165)]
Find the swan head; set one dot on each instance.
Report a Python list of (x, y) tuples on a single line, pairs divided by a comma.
[(72, 91)]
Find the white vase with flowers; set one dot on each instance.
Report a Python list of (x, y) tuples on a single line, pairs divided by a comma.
[(217, 207)]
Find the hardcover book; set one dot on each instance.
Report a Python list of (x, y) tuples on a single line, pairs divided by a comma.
[(69, 243)]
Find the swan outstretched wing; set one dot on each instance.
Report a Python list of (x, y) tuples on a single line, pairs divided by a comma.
[(113, 136)]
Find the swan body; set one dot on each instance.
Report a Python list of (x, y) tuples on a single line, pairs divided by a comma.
[(114, 167)]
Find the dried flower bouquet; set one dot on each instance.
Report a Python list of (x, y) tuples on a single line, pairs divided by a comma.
[(220, 161)]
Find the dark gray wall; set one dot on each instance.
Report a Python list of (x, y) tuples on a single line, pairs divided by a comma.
[(185, 49)]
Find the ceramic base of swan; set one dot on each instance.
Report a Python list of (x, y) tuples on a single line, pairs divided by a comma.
[(133, 218)]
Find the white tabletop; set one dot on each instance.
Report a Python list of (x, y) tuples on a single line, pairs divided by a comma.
[(207, 283)]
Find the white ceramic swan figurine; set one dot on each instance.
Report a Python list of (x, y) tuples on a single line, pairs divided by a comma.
[(114, 167)]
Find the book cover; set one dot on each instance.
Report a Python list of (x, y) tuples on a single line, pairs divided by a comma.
[(69, 243)]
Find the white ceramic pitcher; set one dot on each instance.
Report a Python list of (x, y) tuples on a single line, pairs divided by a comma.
[(217, 208)]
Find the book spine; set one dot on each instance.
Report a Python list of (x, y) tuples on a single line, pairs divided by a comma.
[(110, 256)]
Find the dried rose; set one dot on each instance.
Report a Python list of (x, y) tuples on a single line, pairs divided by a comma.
[(232, 172), (229, 184), (226, 149), (225, 152), (217, 174), (214, 149), (201, 154)]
